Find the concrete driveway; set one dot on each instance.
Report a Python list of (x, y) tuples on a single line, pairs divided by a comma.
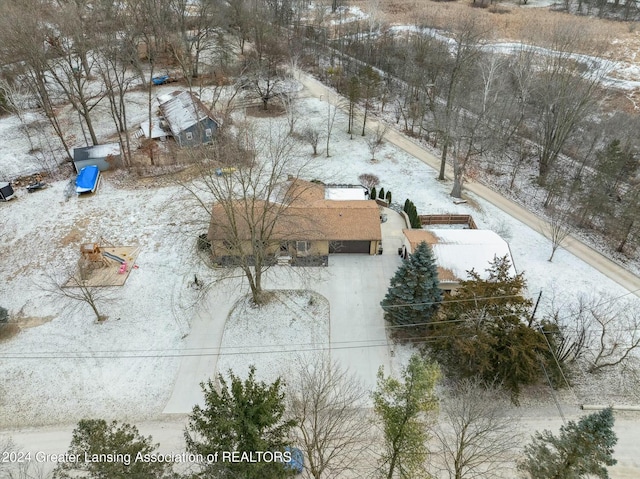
[(354, 286)]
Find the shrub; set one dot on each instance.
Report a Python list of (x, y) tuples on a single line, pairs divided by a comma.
[(369, 180), (203, 242), (388, 197), (381, 194), (372, 194)]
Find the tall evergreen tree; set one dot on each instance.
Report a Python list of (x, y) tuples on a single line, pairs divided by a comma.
[(484, 333), (582, 449), (414, 295), (245, 417)]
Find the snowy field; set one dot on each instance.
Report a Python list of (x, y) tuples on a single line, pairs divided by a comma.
[(71, 367)]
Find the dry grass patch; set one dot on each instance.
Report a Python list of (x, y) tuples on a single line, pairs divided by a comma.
[(615, 40), (8, 331)]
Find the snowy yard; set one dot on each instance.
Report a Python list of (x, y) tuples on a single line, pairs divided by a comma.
[(291, 321), (71, 367)]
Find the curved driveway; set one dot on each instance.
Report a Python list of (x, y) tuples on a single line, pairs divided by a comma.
[(354, 285)]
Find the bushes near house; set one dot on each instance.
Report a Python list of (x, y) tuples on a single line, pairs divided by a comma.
[(412, 213), (482, 331), (381, 194), (388, 197), (372, 193)]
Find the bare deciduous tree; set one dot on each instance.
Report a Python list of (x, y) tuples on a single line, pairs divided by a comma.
[(73, 286), (557, 228), (376, 140), (312, 136), (246, 207), (369, 180), (477, 438), (565, 90), (468, 37), (288, 101), (601, 330), (332, 110), (327, 403)]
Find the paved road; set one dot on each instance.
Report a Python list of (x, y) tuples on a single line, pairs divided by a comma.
[(572, 244), (169, 433)]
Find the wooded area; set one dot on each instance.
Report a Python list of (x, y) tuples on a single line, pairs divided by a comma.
[(495, 113)]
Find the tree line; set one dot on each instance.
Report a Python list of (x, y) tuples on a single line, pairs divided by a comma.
[(540, 105), (414, 432)]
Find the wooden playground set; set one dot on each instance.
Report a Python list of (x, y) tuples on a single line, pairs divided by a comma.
[(104, 266)]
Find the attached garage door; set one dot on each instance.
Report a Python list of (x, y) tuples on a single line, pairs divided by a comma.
[(349, 247)]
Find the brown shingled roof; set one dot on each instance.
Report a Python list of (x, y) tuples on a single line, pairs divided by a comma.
[(417, 236), (308, 217)]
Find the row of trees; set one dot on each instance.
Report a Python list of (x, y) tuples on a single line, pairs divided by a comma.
[(505, 109), (464, 433), (90, 55), (487, 329)]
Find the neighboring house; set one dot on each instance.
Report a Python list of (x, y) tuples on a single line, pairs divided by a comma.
[(190, 122), (103, 156), (457, 251), (307, 226)]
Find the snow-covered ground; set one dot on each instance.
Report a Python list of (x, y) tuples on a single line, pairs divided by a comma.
[(72, 367), (290, 321)]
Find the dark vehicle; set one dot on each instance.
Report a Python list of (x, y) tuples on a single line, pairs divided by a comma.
[(39, 185)]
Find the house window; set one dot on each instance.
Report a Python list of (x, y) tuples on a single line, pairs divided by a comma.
[(208, 132), (302, 247), (189, 135)]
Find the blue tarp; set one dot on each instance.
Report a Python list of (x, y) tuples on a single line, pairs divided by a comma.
[(160, 80), (87, 179), (296, 463)]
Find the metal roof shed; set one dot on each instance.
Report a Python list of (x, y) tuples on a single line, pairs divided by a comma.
[(103, 156)]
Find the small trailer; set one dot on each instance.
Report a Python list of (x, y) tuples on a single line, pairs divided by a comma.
[(6, 191)]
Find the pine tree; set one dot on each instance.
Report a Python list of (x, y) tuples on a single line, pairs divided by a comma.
[(381, 194), (388, 197), (484, 333), (583, 449), (414, 295), (95, 437), (244, 416), (373, 194)]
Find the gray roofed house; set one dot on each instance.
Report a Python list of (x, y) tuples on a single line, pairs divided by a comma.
[(190, 121), (103, 156)]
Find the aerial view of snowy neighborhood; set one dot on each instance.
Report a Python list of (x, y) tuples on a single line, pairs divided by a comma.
[(325, 239)]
